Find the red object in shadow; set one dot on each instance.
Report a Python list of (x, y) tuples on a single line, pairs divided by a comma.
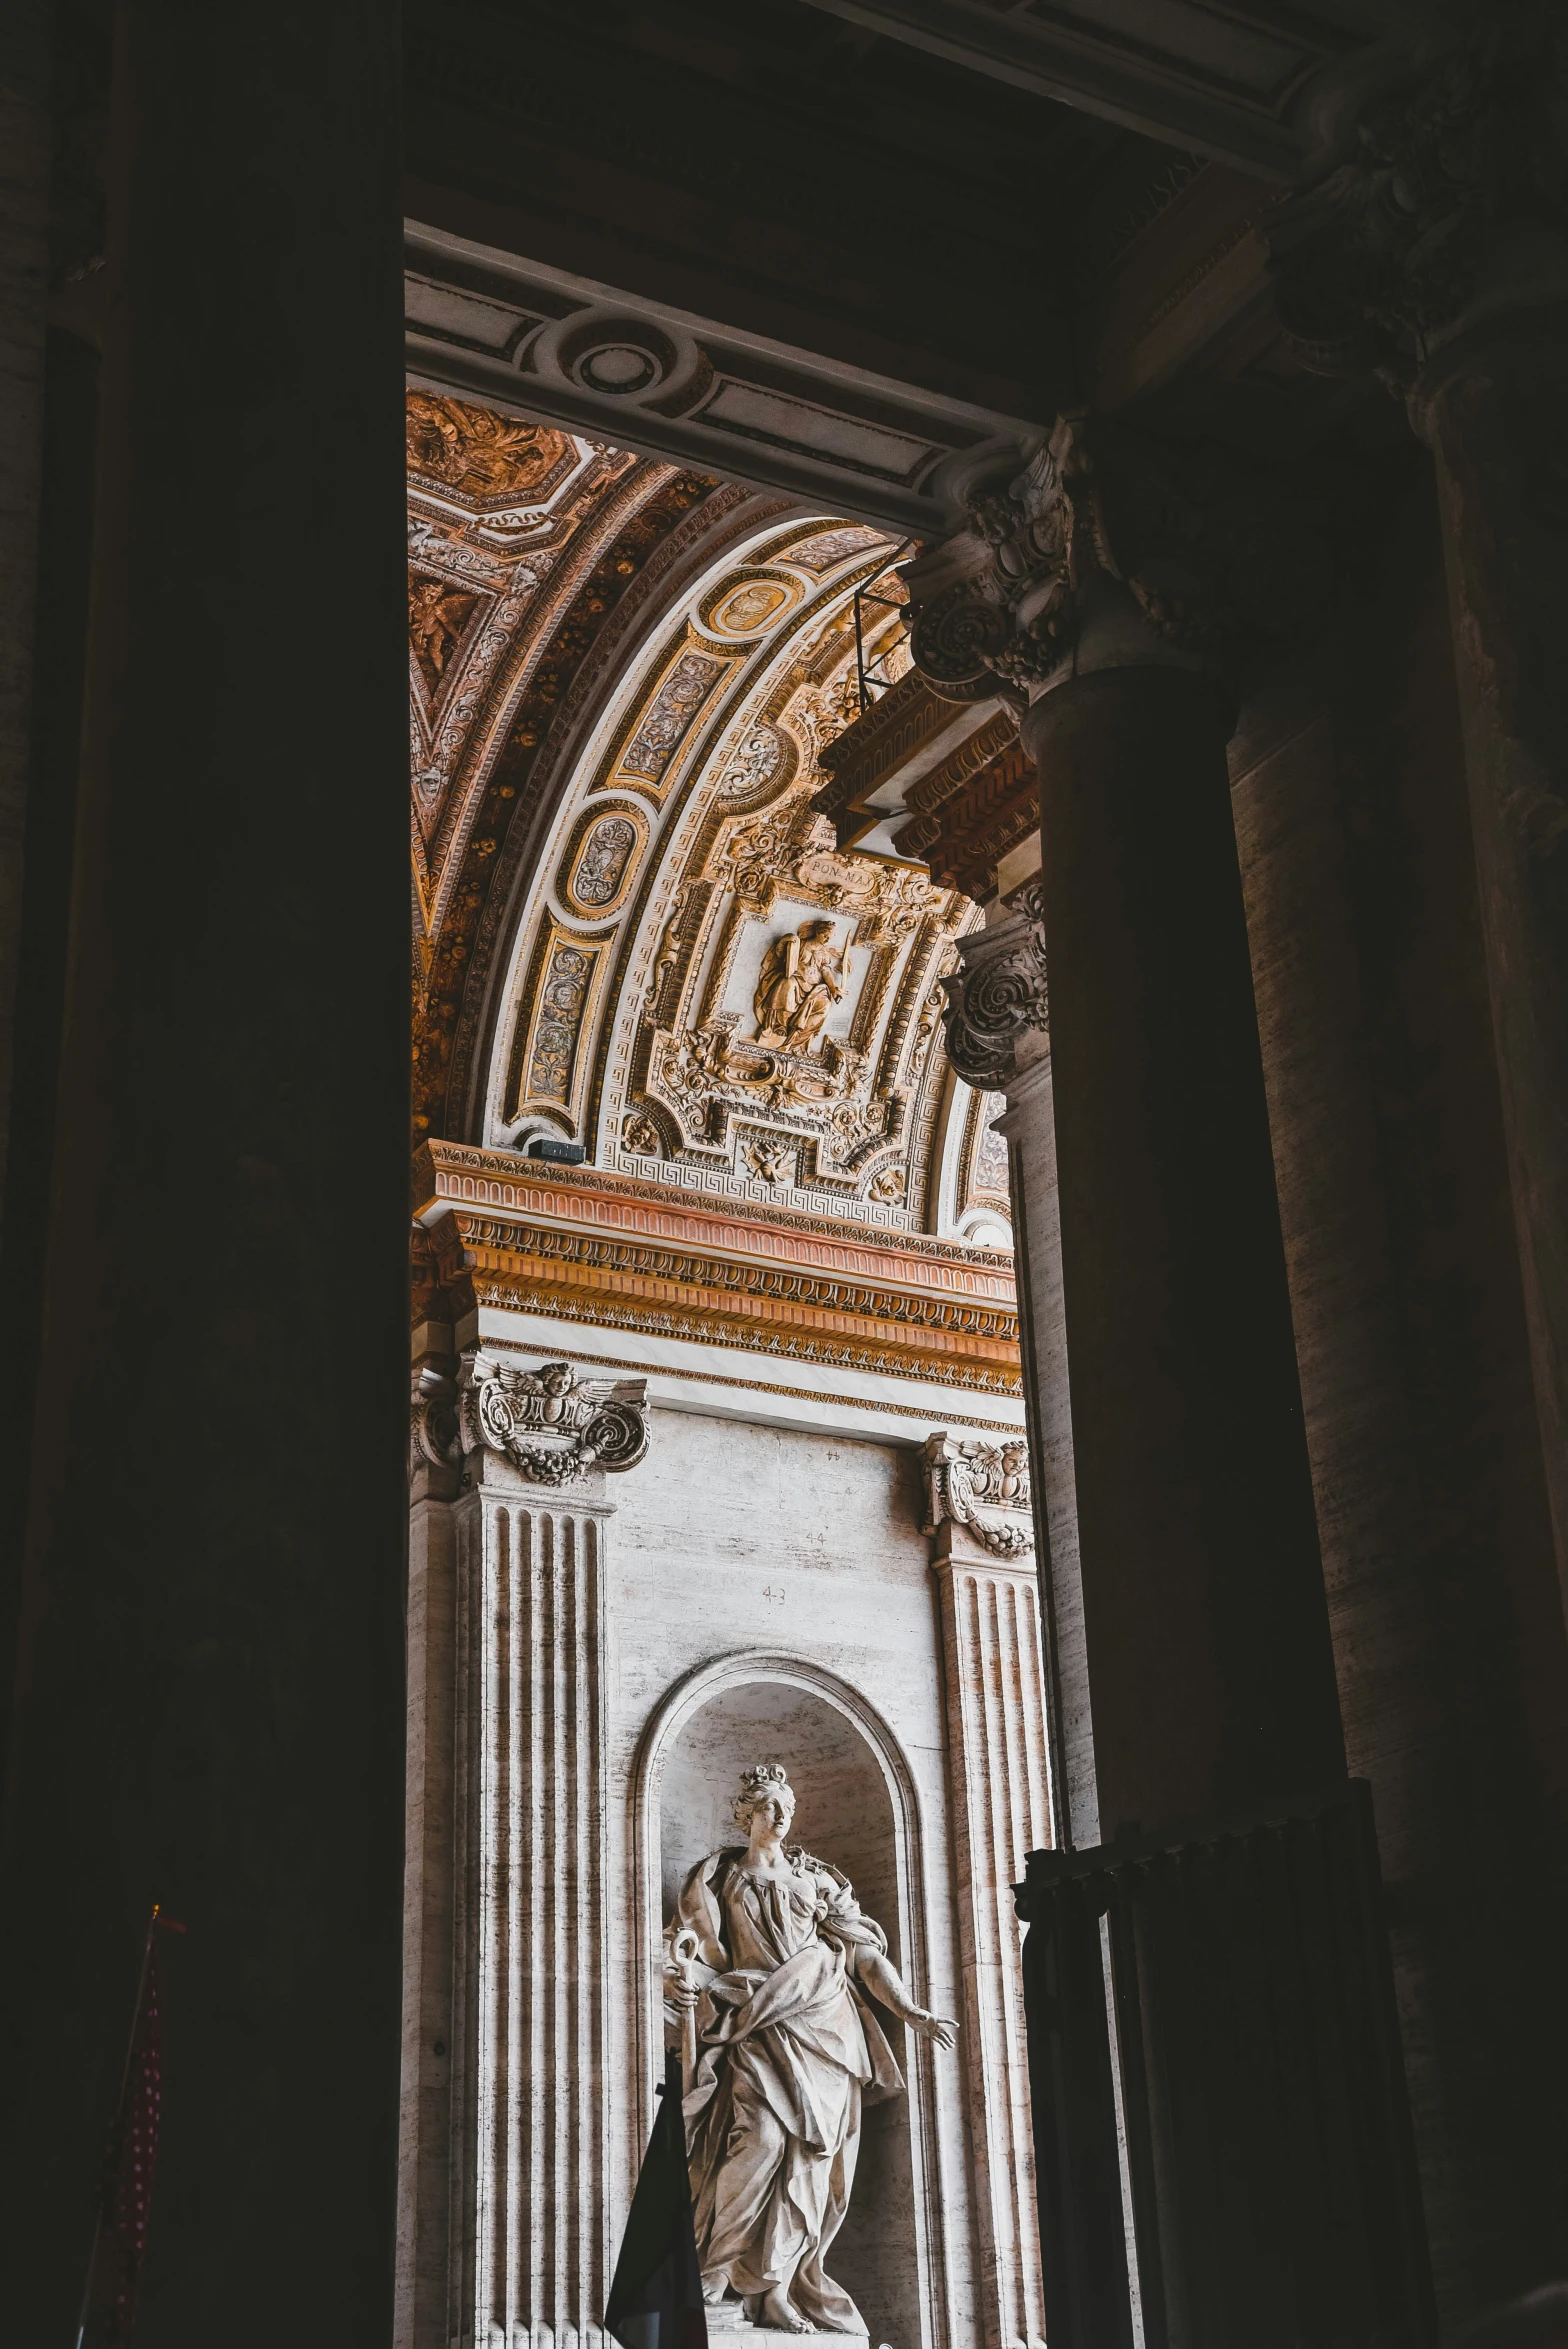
[(125, 2195)]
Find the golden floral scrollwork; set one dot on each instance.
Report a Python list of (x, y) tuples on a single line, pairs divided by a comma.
[(476, 452)]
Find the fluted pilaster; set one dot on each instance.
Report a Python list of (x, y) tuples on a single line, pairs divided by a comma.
[(998, 1754), (995, 1693), (509, 2131), (531, 2192)]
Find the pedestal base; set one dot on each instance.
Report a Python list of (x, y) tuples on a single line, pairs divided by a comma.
[(729, 2327), (727, 2335)]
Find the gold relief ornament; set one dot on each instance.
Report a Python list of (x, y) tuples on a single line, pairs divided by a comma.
[(436, 614), (476, 452), (800, 982), (552, 1425), (750, 606), (639, 1133), (600, 868), (771, 1158)]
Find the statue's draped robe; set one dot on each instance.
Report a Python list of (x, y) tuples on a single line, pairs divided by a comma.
[(788, 2049), (793, 991)]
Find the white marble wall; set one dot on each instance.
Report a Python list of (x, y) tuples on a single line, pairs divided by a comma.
[(768, 1576), (590, 1670)]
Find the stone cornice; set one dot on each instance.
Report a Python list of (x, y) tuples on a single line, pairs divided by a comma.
[(522, 338), (466, 1241), (993, 1373), (1263, 103), (622, 1255), (594, 1199), (964, 832), (897, 723)]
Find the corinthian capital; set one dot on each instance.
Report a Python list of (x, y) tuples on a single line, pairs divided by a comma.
[(1111, 549), (552, 1425), (1452, 209), (981, 1487), (996, 993)]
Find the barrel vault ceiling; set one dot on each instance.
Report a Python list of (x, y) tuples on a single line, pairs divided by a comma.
[(631, 930)]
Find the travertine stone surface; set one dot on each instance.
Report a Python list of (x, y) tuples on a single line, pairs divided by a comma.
[(767, 1598), (995, 1684), (503, 2177), (1029, 1126), (1357, 858), (772, 1602)]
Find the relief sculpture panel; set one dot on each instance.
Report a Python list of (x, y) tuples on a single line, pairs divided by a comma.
[(601, 869), (668, 719)]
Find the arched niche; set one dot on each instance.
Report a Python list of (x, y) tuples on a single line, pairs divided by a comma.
[(856, 1808)]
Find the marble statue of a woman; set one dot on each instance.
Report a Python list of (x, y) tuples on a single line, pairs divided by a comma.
[(768, 1961)]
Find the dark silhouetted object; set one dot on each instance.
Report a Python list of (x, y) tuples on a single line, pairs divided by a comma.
[(656, 2297)]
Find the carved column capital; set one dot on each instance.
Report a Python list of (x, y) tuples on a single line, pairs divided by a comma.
[(1450, 216), (997, 993), (982, 1489), (432, 1419), (1114, 550), (550, 1424)]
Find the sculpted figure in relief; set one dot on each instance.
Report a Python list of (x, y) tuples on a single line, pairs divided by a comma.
[(769, 1958), (798, 985)]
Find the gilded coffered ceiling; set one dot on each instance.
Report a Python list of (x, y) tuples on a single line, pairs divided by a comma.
[(633, 932)]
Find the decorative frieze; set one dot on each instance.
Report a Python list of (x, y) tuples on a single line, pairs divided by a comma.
[(962, 831), (868, 1315), (983, 1488)]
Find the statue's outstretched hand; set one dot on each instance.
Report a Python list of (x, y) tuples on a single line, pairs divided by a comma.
[(936, 2028)]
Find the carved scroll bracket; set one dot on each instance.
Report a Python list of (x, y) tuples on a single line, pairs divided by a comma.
[(1113, 550), (550, 1424), (997, 994), (1448, 219), (981, 1488)]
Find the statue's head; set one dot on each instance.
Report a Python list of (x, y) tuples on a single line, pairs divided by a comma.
[(765, 1786), (816, 933)]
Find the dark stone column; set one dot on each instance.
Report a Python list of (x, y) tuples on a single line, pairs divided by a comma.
[(1492, 410), (210, 1689), (1349, 793), (1117, 581), (25, 139), (1438, 256), (1204, 1614)]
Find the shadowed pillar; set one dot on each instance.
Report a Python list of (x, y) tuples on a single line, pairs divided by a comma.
[(1204, 1615), (1438, 257), (210, 1687), (1203, 1652)]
